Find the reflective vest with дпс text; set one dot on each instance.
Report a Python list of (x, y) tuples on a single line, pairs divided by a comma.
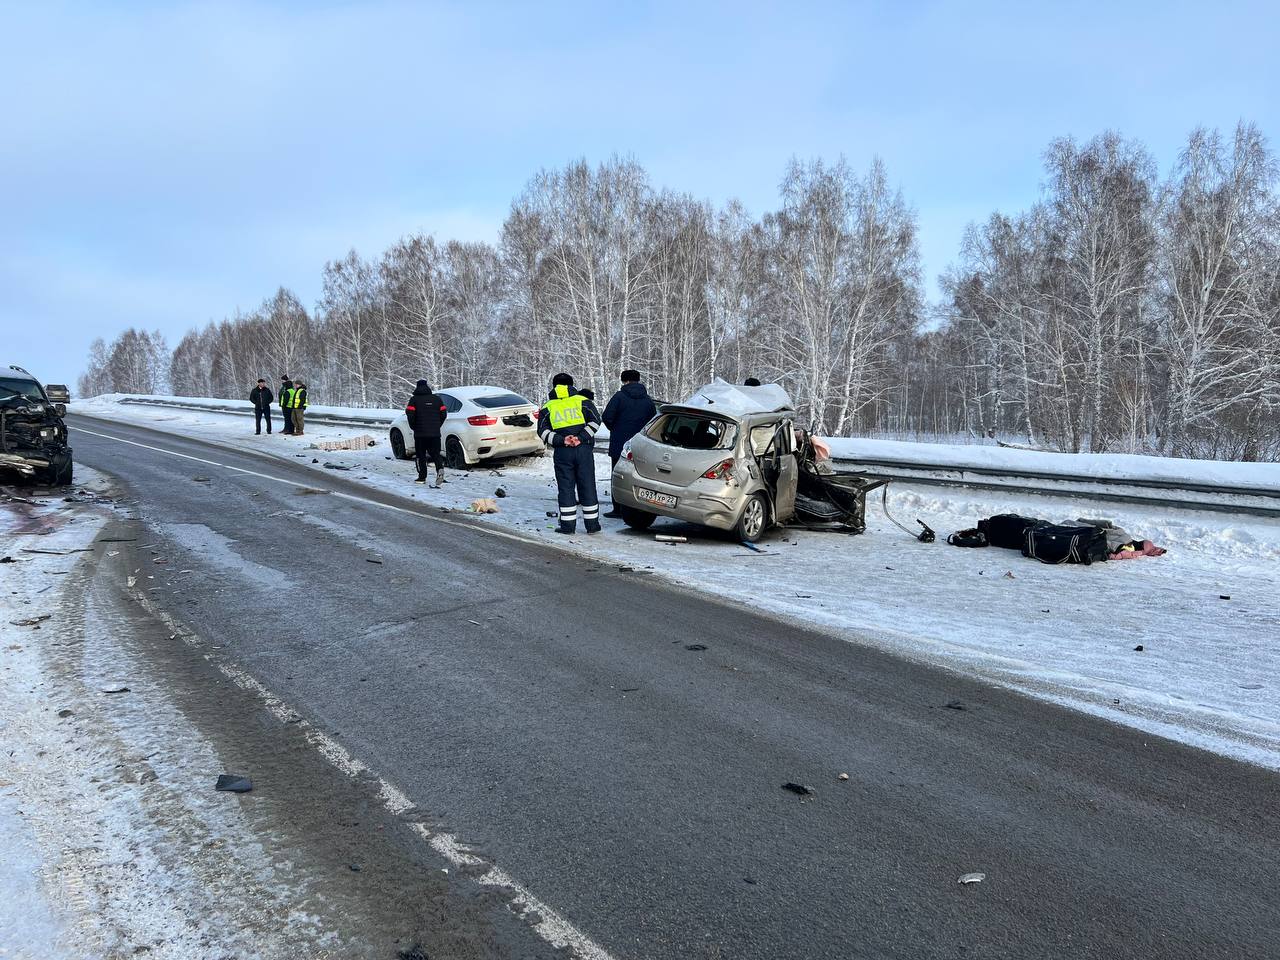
[(565, 410)]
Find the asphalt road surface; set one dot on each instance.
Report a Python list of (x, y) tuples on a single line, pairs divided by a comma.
[(549, 711)]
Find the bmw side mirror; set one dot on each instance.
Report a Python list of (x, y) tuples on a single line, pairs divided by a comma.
[(60, 409)]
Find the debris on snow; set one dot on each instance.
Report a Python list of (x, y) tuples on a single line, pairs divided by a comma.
[(114, 688), (500, 493), (372, 559), (32, 621), (668, 538), (1138, 648), (309, 491), (335, 466), (203, 479), (954, 705), (695, 647), (843, 776), (972, 878), (799, 789), (483, 505), (231, 783)]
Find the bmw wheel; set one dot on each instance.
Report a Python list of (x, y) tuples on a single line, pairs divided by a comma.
[(454, 456), (397, 445)]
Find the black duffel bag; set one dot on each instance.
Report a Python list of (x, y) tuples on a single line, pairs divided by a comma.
[(1065, 544), (1008, 530)]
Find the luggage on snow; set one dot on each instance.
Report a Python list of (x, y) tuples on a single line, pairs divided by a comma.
[(1065, 544)]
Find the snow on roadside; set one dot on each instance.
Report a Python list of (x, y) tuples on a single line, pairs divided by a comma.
[(1206, 673), (104, 849)]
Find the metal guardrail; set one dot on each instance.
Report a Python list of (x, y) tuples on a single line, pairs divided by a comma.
[(355, 420), (1035, 482)]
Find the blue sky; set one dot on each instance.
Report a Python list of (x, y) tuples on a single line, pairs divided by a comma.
[(163, 164)]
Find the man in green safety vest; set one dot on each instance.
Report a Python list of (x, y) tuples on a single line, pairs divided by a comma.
[(297, 405), (567, 423)]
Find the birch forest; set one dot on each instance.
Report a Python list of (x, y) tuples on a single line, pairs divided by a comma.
[(1127, 310)]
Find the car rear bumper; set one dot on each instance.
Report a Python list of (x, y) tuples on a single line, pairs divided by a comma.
[(516, 446), (718, 508)]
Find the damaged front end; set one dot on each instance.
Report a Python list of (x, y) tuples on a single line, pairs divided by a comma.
[(33, 441), (827, 500)]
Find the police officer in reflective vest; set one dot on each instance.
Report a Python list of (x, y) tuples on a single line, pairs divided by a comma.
[(567, 423)]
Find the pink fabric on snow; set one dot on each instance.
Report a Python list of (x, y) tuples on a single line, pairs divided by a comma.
[(1144, 548)]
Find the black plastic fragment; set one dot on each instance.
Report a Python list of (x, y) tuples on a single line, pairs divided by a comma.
[(231, 783), (798, 788)]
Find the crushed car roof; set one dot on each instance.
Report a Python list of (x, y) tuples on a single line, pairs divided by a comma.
[(733, 400)]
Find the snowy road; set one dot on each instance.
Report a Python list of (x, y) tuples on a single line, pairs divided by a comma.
[(631, 786)]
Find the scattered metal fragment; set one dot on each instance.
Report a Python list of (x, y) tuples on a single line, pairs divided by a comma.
[(668, 538), (973, 878), (64, 713), (114, 688), (32, 621), (799, 789), (843, 776), (954, 705), (695, 647), (373, 559)]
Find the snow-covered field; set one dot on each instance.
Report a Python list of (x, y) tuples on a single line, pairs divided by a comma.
[(1207, 615)]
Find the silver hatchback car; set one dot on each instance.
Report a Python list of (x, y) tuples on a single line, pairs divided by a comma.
[(731, 471)]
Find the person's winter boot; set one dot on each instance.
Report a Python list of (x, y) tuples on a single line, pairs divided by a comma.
[(421, 480), (440, 476), (593, 526), (567, 528), (614, 514)]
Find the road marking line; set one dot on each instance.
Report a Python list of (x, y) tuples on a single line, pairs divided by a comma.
[(479, 528), (551, 926)]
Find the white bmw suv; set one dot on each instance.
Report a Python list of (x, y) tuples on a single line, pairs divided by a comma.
[(483, 423)]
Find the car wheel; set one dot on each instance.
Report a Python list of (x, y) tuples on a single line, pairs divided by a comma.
[(454, 456), (754, 519), (637, 519), (397, 445), (60, 474)]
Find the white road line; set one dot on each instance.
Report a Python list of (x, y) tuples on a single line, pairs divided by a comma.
[(550, 926), (479, 528)]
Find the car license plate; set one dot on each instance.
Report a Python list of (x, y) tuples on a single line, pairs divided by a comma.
[(653, 496)]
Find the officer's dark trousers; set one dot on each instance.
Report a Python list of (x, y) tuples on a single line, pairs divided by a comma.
[(424, 449), (288, 421), (259, 414), (576, 484)]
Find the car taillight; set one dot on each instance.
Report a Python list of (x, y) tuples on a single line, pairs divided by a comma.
[(720, 471), (482, 420)]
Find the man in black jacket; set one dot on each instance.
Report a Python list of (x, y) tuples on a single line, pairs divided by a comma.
[(426, 414), (625, 415), (286, 388), (260, 396)]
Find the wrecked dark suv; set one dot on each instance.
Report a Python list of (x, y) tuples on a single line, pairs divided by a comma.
[(33, 438)]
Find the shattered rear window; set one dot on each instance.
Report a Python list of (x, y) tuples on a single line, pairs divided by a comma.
[(692, 432)]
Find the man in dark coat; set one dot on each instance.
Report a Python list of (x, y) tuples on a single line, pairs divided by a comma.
[(627, 412), (426, 414), (625, 415), (260, 396), (567, 423)]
